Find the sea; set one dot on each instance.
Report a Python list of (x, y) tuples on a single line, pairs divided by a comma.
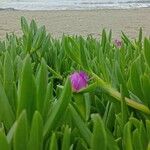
[(72, 4)]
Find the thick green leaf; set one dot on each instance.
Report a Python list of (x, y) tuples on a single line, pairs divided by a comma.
[(66, 139), (90, 88), (42, 81), (126, 39), (36, 133), (48, 100), (6, 114), (140, 36), (79, 123), (3, 142), (20, 140), (121, 80), (111, 144), (127, 138), (135, 122), (99, 138), (87, 105), (137, 144), (124, 108), (148, 147), (104, 39), (2, 127), (9, 80), (143, 136), (18, 64), (81, 104), (11, 132), (24, 26), (58, 108), (145, 81), (13, 47), (38, 39), (1, 72), (27, 90), (147, 51), (109, 115), (135, 79), (148, 129), (83, 55), (110, 35), (70, 53), (53, 142), (33, 27)]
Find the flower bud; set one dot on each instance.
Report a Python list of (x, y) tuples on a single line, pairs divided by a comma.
[(118, 43), (79, 80)]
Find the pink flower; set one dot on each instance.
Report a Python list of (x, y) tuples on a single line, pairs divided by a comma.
[(79, 80), (118, 43)]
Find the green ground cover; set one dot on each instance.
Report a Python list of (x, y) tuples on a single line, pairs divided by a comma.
[(40, 111)]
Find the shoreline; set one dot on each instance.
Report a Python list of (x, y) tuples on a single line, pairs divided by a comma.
[(73, 4), (80, 22), (80, 9)]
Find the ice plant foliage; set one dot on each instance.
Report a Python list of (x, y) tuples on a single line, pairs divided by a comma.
[(79, 80), (39, 110)]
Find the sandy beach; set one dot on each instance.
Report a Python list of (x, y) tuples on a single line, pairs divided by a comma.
[(80, 22)]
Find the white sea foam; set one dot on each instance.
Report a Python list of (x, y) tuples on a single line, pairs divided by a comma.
[(72, 4)]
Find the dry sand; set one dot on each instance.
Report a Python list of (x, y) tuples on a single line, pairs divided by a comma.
[(80, 22)]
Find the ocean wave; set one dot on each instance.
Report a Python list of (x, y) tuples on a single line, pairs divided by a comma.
[(73, 5)]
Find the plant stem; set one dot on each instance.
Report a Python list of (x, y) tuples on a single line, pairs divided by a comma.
[(114, 93), (55, 73)]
